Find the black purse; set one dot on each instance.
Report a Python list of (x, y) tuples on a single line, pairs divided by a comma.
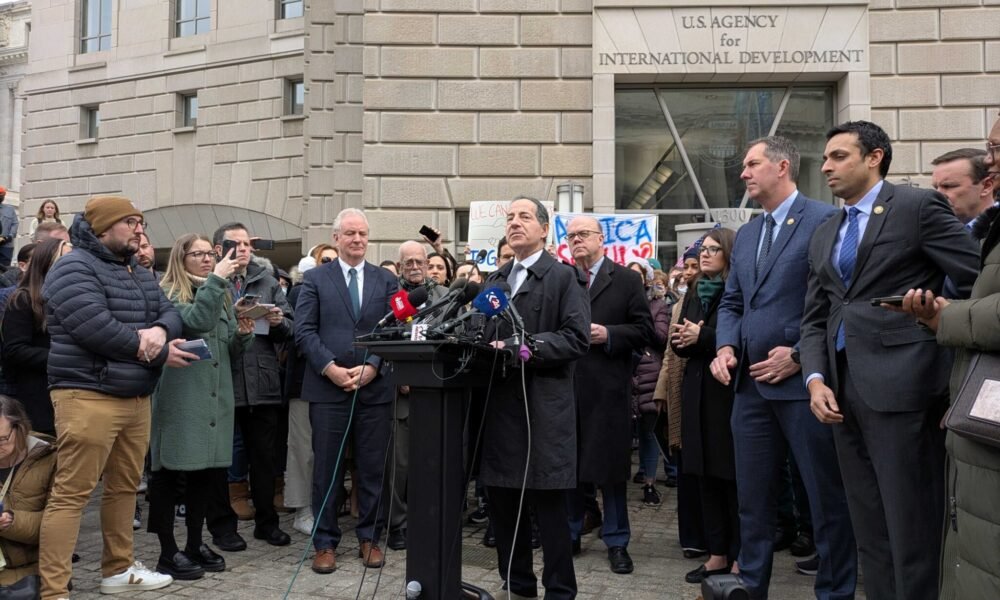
[(975, 414), (26, 588)]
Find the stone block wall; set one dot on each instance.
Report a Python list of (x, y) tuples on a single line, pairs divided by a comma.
[(467, 100), (935, 77)]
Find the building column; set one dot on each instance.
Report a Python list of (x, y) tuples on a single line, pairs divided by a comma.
[(6, 132)]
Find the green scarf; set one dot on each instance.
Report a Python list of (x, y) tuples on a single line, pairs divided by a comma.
[(709, 289)]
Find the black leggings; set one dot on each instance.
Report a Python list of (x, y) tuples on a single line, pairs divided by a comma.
[(200, 488)]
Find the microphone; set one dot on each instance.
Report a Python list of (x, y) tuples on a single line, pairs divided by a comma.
[(457, 289), (469, 293), (403, 303), (489, 302), (515, 316), (481, 256)]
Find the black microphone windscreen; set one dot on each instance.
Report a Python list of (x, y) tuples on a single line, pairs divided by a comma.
[(482, 255), (457, 284), (417, 296), (504, 287), (471, 291)]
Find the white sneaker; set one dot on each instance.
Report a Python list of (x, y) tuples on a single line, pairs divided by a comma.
[(304, 521), (136, 578)]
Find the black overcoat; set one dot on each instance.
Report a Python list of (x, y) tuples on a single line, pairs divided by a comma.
[(706, 404), (553, 303), (604, 375)]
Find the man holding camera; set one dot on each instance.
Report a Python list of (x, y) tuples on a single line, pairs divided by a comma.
[(257, 387)]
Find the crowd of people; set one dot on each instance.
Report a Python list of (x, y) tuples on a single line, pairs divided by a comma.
[(792, 403)]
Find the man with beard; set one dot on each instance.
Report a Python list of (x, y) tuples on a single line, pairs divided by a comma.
[(146, 255), (110, 326)]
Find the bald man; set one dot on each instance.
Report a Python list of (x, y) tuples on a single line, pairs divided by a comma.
[(620, 325)]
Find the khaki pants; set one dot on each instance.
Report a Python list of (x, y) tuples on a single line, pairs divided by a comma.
[(96, 434)]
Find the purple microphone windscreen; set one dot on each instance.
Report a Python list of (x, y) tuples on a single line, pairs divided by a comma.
[(491, 302)]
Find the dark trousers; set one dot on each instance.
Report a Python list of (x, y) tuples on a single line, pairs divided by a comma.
[(722, 518), (690, 521), (549, 507), (371, 430), (201, 488), (259, 428), (615, 530), (763, 432), (893, 470)]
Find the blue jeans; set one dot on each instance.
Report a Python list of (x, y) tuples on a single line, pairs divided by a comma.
[(240, 469)]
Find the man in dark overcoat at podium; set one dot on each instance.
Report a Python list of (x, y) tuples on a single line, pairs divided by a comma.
[(551, 299)]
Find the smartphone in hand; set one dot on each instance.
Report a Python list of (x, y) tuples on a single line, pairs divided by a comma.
[(890, 300), (429, 233)]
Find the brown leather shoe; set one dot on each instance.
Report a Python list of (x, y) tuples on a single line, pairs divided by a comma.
[(371, 555), (325, 561), (239, 499)]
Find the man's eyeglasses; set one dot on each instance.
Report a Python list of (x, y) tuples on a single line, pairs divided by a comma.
[(413, 262), (199, 254), (133, 222), (583, 235), (992, 149), (710, 250)]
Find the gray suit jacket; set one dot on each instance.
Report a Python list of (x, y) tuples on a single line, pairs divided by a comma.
[(913, 240)]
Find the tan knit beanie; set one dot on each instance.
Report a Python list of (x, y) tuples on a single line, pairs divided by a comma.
[(104, 211)]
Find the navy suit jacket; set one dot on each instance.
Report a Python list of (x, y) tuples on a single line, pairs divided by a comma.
[(758, 313), (913, 240), (326, 329)]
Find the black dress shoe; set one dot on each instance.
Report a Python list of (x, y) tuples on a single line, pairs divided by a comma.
[(490, 537), (783, 539), (230, 542), (802, 546), (207, 559), (179, 566), (701, 573), (694, 553), (621, 562), (397, 539), (273, 536), (577, 549)]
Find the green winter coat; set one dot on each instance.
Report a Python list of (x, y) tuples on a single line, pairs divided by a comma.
[(193, 407), (971, 555)]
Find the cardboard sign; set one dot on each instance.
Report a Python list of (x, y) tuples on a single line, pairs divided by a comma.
[(626, 237), (487, 220)]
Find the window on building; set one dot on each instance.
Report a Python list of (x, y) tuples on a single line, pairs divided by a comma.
[(189, 110), (295, 97), (90, 122), (461, 229), (679, 151), (95, 34), (289, 9), (193, 17)]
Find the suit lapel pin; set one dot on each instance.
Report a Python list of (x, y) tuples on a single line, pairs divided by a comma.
[(790, 222), (879, 210)]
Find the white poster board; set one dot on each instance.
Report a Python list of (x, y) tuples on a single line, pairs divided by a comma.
[(487, 220), (626, 236)]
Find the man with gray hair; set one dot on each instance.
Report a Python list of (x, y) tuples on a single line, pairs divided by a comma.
[(340, 381), (413, 274)]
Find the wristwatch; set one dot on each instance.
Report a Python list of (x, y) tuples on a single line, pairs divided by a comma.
[(795, 357)]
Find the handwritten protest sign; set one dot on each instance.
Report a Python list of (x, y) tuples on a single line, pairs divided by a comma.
[(626, 236), (487, 219)]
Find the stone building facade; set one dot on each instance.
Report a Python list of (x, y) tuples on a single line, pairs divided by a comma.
[(413, 109), (15, 27)]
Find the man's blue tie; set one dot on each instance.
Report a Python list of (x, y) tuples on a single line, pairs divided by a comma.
[(352, 287), (846, 261), (765, 248)]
